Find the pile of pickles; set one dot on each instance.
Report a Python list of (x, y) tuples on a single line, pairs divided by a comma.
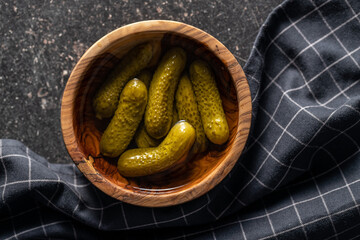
[(171, 114)]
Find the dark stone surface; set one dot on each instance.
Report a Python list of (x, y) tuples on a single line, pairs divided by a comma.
[(41, 41)]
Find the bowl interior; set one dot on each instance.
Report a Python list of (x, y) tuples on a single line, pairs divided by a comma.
[(90, 129), (82, 131)]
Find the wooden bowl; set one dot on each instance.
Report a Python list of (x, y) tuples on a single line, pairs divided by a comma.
[(82, 131)]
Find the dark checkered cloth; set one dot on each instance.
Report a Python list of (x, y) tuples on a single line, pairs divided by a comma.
[(299, 177)]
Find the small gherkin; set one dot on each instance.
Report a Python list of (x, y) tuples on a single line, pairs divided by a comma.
[(107, 98)]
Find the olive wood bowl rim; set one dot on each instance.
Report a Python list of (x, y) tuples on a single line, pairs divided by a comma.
[(85, 165)]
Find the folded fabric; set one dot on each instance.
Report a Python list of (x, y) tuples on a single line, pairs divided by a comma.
[(298, 178)]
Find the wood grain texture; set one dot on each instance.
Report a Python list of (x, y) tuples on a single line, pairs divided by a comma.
[(82, 131)]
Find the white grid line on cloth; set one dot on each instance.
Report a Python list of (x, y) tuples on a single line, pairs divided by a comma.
[(66, 183), (74, 231), (349, 106), (356, 237), (297, 21), (269, 220), (19, 214), (240, 221), (279, 138), (5, 177), (167, 221), (101, 209), (232, 194), (154, 217), (336, 37), (34, 228), (75, 178), (207, 206), (257, 92), (317, 132), (27, 154), (318, 147), (311, 222), (183, 234), (344, 178), (302, 51), (286, 94), (55, 192), (3, 193), (325, 205), (314, 154), (297, 214), (274, 146), (76, 188), (343, 231), (41, 219), (300, 202), (313, 78), (288, 169), (50, 203), (324, 70), (307, 83), (254, 176), (124, 216), (284, 208), (329, 170), (352, 10), (317, 52), (282, 128), (241, 227), (204, 230), (12, 221), (276, 159), (213, 233), (42, 180), (183, 213)]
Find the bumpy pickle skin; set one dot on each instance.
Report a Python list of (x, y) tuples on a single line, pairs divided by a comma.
[(172, 151), (144, 140), (188, 110), (159, 111), (126, 120), (175, 117), (209, 102), (107, 98)]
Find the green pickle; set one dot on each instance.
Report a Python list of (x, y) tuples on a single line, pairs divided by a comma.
[(144, 140), (126, 120), (175, 118), (188, 110), (145, 76), (171, 152), (107, 98), (209, 102), (159, 111)]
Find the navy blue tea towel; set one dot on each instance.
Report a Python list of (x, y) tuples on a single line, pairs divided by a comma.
[(298, 178)]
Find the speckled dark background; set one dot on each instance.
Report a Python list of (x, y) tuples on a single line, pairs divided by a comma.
[(41, 41)]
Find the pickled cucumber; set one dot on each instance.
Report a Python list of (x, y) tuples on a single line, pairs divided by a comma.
[(144, 140), (126, 120), (107, 98), (159, 111), (187, 108), (145, 76), (175, 117), (209, 102), (172, 151)]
